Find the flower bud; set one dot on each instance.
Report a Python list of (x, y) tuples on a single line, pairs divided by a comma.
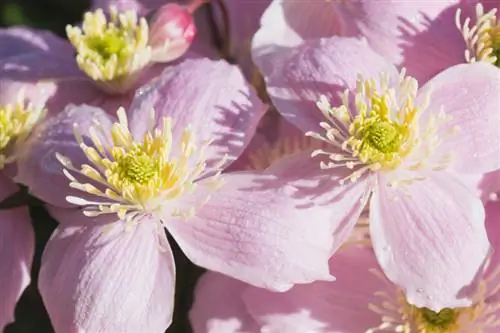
[(172, 30)]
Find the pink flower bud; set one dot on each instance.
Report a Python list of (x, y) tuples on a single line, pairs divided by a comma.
[(172, 30)]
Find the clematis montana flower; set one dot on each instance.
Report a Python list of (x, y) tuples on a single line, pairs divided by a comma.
[(360, 300), (398, 149), (419, 36), (108, 267), (107, 59)]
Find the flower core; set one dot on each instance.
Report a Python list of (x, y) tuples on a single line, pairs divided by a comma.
[(483, 39), (16, 122), (111, 50), (397, 315), (136, 177), (382, 132)]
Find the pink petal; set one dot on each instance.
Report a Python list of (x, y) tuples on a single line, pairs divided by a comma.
[(218, 306), (321, 67), (96, 277), (40, 170), (210, 96), (326, 307), (17, 243), (264, 236), (256, 229), (431, 40), (473, 102), (407, 32), (429, 238), (288, 23), (20, 40)]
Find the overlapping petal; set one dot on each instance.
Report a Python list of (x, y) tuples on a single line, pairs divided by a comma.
[(17, 244), (211, 97), (429, 238), (100, 277), (38, 167)]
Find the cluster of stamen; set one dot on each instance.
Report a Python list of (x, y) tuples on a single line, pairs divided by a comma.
[(16, 122), (397, 315), (383, 132), (111, 50), (482, 39), (134, 177)]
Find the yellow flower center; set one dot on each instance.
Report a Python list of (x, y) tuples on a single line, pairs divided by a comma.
[(137, 177), (483, 39), (444, 321), (397, 315), (382, 133), (111, 52), (16, 122)]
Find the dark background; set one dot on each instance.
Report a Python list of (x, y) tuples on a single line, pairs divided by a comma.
[(31, 316)]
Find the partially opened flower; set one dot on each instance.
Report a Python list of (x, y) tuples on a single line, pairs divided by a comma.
[(420, 36), (107, 59), (360, 300), (108, 267), (397, 148)]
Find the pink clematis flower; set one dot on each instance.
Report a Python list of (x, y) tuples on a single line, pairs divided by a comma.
[(360, 300), (104, 62), (419, 36), (108, 267), (398, 149)]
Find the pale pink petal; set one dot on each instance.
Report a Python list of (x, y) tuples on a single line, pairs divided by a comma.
[(321, 67), (400, 30), (101, 278), (38, 167), (254, 228), (431, 41), (20, 40), (429, 237), (473, 103), (288, 23), (218, 306), (210, 96), (17, 243), (258, 228), (325, 307)]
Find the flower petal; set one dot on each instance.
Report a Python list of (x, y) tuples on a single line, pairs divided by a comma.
[(218, 306), (287, 23), (20, 40), (473, 102), (101, 278), (17, 243), (38, 167), (325, 307), (327, 67), (254, 228), (210, 96), (429, 238)]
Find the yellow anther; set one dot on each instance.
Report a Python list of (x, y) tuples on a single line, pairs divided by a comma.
[(111, 51), (135, 177), (483, 39), (16, 122)]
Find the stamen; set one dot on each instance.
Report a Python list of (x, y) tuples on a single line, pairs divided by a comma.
[(16, 123), (111, 51), (399, 316), (383, 132), (483, 39), (137, 177)]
